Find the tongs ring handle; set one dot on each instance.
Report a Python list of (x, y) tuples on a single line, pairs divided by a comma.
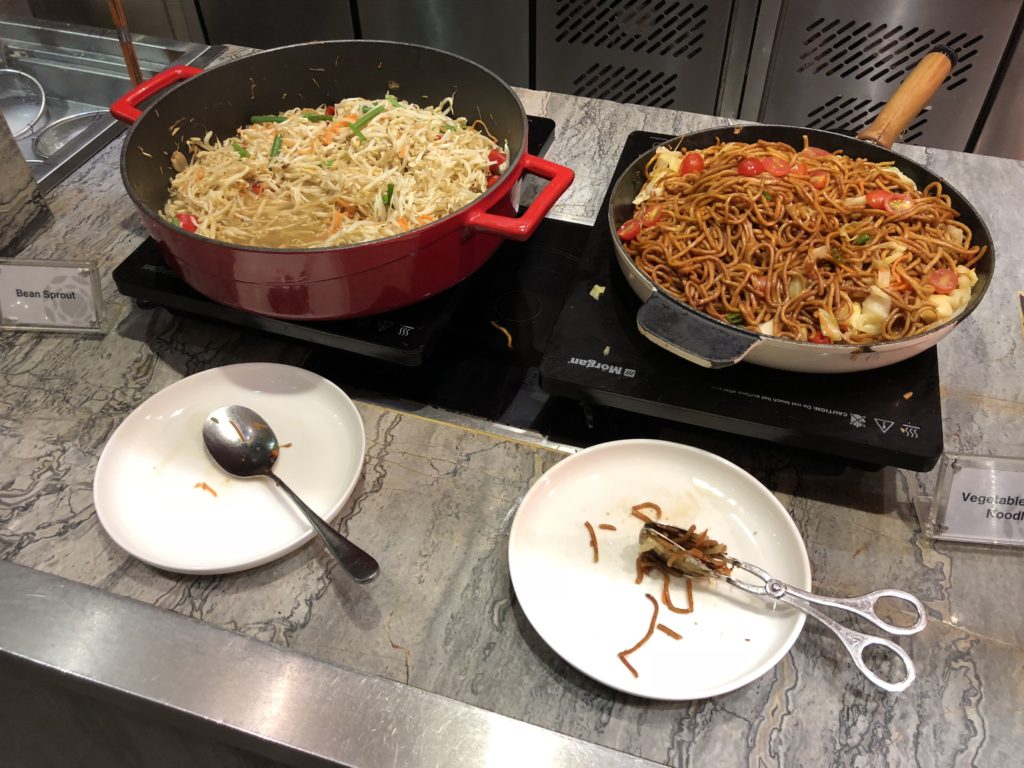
[(856, 643), (863, 606)]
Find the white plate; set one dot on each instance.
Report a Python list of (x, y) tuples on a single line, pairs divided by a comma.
[(146, 485), (588, 612)]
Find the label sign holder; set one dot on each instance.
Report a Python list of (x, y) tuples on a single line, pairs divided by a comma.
[(978, 500), (43, 295)]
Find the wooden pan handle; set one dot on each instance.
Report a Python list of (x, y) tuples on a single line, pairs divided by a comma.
[(912, 95)]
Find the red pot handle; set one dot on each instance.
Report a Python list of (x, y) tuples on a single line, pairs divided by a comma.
[(126, 109), (559, 178)]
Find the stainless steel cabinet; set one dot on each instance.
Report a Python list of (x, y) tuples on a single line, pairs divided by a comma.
[(495, 34), (271, 23), (833, 65), (666, 53)]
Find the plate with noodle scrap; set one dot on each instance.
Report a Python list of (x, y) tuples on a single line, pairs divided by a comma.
[(580, 592), (162, 498)]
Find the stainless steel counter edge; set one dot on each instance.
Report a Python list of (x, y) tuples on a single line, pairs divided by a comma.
[(268, 700)]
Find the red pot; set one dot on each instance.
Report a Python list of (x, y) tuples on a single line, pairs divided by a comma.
[(337, 282)]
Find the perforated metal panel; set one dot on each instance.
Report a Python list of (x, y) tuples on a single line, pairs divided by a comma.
[(834, 65), (664, 53)]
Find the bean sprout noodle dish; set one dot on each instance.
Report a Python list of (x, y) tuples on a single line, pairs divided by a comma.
[(802, 244), (334, 175)]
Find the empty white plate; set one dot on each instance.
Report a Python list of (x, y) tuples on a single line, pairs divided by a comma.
[(163, 499), (588, 612)]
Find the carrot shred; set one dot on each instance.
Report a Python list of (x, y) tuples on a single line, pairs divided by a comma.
[(336, 221)]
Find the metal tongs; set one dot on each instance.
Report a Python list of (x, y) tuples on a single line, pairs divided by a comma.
[(675, 548), (864, 606)]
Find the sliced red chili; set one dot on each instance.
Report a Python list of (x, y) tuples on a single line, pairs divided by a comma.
[(629, 229), (496, 158), (256, 187), (329, 110)]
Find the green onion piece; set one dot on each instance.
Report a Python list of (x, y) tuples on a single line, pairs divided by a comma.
[(327, 163), (862, 239), (275, 148), (392, 100), (317, 117), (361, 123), (365, 108), (242, 151), (267, 119), (768, 196), (736, 318), (386, 197), (836, 254), (449, 127)]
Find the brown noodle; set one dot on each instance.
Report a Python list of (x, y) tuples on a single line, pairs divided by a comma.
[(644, 639), (770, 253)]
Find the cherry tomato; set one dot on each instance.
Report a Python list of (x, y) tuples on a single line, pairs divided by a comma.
[(819, 338), (815, 152), (877, 198), (943, 280), (799, 168), (329, 110), (492, 180), (629, 229), (188, 222), (818, 179), (496, 158), (651, 215), (693, 162), (749, 166), (898, 203), (775, 166)]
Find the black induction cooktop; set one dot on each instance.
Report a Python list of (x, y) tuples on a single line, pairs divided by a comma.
[(524, 343)]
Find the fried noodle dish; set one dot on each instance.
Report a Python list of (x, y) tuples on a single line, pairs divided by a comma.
[(350, 172), (803, 244)]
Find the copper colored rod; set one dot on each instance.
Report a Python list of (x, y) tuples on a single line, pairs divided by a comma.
[(131, 60)]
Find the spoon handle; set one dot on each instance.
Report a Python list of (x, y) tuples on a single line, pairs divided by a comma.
[(360, 565)]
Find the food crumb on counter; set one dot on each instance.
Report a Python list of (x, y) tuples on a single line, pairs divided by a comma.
[(859, 551), (907, 395), (504, 330), (607, 351), (596, 291)]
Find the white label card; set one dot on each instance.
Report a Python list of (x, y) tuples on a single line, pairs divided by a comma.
[(980, 499), (50, 296)]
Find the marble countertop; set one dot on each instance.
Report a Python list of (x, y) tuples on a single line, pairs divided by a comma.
[(436, 502)]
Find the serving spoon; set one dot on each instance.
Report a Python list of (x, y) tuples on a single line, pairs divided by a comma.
[(244, 445)]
